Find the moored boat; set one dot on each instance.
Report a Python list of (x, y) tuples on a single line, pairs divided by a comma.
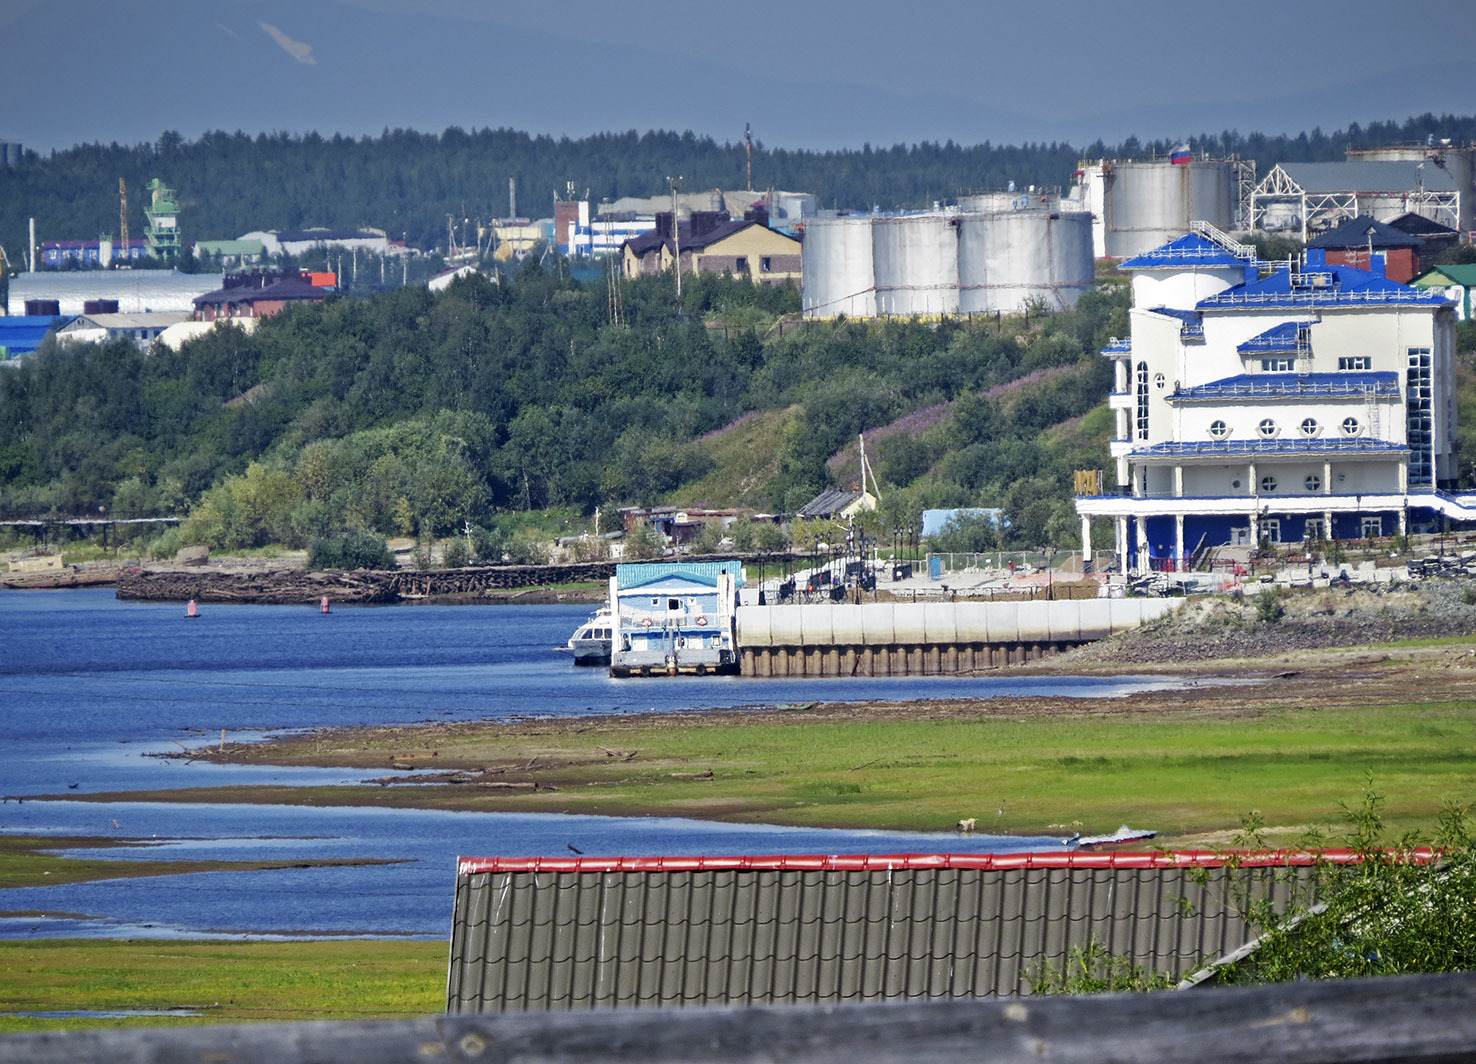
[(590, 643)]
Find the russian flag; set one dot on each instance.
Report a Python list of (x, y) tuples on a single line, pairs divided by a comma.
[(1181, 156)]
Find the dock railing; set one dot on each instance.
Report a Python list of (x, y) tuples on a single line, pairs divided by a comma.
[(1405, 1018)]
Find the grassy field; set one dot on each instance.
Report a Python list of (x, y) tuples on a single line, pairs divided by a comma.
[(216, 982), (1188, 767)]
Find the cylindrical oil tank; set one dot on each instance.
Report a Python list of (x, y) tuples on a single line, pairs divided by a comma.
[(836, 266), (1147, 204), (915, 259), (1459, 162), (1008, 259), (989, 202)]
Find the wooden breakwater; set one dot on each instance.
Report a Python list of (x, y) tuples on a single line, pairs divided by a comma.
[(287, 587)]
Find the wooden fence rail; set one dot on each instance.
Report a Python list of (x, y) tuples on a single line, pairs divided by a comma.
[(1429, 1018)]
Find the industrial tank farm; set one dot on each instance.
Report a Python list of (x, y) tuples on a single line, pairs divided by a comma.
[(994, 253), (1141, 205)]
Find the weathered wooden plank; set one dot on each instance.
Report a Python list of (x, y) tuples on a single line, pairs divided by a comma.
[(1428, 1019)]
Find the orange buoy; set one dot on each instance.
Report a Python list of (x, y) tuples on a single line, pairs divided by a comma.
[(191, 610), (324, 608)]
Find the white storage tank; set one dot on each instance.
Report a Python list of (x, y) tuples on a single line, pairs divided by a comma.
[(1006, 259), (1147, 204), (836, 260), (915, 258)]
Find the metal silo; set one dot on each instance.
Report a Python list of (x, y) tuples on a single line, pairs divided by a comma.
[(837, 268), (915, 259), (1147, 204), (1008, 258)]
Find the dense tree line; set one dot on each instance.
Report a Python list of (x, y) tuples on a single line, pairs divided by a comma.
[(412, 413), (409, 183)]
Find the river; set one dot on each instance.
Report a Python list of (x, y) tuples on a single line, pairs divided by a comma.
[(91, 688)]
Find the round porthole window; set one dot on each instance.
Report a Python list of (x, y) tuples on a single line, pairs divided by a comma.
[(1218, 429), (1267, 427), (1268, 483), (1158, 380), (1235, 484), (1351, 426), (1309, 426), (1314, 482)]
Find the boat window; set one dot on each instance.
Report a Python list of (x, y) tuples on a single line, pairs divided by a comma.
[(673, 604)]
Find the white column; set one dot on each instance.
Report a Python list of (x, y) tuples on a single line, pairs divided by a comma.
[(1122, 545), (1178, 482), (1086, 541), (1142, 562), (1327, 477), (1179, 539)]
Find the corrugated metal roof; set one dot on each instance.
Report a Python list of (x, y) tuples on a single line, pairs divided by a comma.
[(137, 291), (1189, 250), (636, 932), (1293, 386), (1394, 177), (1362, 231), (639, 574), (1281, 337), (1461, 275), (22, 334), (1245, 448)]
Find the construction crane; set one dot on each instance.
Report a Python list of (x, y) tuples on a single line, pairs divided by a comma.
[(123, 219)]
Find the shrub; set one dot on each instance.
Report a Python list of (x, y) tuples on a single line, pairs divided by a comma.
[(456, 553), (350, 550), (1269, 609)]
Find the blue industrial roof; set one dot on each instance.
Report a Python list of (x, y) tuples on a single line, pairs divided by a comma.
[(1251, 448), (1320, 286), (1278, 338), (21, 334), (1292, 386), (638, 574), (1190, 249), (1193, 321)]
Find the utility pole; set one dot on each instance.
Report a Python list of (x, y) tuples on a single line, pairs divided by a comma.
[(676, 237), (748, 151), (123, 217)]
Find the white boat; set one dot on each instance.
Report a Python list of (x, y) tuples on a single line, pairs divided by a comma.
[(1122, 834), (590, 643)]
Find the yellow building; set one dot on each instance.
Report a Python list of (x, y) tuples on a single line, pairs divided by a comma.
[(711, 242)]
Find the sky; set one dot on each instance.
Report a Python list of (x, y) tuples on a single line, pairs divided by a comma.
[(818, 74)]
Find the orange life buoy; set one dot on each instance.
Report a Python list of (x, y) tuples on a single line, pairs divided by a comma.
[(701, 620), (646, 622)]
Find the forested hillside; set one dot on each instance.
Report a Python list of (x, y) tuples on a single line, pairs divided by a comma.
[(408, 183), (412, 413)]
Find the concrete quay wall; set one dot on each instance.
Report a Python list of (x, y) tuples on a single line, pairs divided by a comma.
[(924, 639)]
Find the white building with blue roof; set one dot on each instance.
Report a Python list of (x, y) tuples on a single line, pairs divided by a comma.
[(1285, 402)]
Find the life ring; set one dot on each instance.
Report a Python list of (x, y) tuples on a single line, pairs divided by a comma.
[(645, 622), (702, 620)]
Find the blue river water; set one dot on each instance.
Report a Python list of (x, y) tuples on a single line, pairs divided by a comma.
[(92, 688)]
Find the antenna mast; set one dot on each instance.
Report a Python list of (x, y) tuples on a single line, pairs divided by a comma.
[(866, 471)]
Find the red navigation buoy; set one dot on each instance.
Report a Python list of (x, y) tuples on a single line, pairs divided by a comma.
[(325, 604), (191, 610)]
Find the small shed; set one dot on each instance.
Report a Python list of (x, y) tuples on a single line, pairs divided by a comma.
[(1456, 282)]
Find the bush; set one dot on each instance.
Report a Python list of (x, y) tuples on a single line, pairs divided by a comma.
[(1269, 609), (350, 550), (457, 553)]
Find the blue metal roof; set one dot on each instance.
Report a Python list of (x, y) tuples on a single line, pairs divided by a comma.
[(639, 574), (1119, 347), (1277, 339), (1189, 250), (1291, 386), (1250, 448), (1320, 286), (21, 334)]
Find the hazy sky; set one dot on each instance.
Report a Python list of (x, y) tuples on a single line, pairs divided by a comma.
[(805, 73)]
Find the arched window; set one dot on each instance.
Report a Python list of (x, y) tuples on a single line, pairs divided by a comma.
[(1142, 400)]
